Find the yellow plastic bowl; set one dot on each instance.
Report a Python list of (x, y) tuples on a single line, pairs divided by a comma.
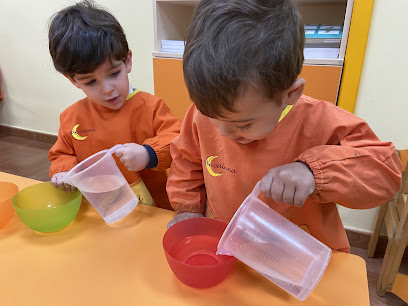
[(7, 191), (45, 208)]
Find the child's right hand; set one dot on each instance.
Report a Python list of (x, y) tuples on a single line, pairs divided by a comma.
[(57, 181), (291, 183), (134, 156), (184, 216)]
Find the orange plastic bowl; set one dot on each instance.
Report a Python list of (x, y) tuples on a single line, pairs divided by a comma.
[(190, 247), (7, 191)]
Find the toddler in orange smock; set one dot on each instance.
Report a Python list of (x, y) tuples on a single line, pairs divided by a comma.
[(89, 47), (251, 122)]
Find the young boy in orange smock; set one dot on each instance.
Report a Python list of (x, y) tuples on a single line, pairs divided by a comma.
[(89, 47), (251, 122)]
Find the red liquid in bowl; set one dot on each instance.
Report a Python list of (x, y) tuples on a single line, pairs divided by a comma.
[(197, 250)]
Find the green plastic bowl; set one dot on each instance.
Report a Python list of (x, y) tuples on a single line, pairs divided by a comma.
[(45, 208)]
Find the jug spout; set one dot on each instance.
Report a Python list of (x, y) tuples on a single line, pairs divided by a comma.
[(221, 251), (76, 169)]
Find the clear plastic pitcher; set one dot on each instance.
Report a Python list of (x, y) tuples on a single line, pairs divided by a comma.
[(275, 247), (103, 185)]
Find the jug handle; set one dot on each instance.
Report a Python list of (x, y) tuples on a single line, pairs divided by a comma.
[(115, 148), (256, 191)]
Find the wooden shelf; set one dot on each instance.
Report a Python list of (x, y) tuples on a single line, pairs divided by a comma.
[(321, 2), (172, 18), (167, 55), (308, 61)]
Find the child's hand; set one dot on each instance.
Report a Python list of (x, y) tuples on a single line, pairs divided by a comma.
[(291, 183), (184, 216), (57, 181), (135, 157)]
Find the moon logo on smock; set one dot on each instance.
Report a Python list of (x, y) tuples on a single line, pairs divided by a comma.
[(208, 166), (75, 134)]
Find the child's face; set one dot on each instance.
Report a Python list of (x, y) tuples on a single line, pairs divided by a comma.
[(256, 116), (108, 85)]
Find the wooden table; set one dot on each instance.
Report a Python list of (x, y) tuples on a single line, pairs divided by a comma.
[(92, 263)]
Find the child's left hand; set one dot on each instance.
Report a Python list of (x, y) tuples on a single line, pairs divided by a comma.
[(291, 183), (134, 156)]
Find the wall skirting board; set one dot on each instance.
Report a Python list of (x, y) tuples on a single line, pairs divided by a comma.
[(27, 134), (360, 240)]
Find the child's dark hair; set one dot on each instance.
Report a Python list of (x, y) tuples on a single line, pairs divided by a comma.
[(82, 36), (231, 44)]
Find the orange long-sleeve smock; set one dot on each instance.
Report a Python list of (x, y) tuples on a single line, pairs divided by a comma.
[(213, 174), (143, 119)]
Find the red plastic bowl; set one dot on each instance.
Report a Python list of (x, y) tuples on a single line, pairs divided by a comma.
[(190, 247)]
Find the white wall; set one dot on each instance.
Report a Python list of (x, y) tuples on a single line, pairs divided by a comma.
[(34, 94), (382, 96)]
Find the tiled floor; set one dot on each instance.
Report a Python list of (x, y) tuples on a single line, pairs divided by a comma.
[(29, 158)]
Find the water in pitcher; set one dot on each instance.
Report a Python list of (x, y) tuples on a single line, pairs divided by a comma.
[(275, 261), (110, 195)]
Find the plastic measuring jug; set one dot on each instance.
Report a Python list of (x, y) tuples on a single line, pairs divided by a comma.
[(103, 185), (275, 247)]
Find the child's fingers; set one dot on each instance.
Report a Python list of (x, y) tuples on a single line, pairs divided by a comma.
[(123, 159), (183, 216), (126, 164), (67, 187), (288, 194), (60, 184), (302, 192), (71, 188), (265, 185), (277, 189), (119, 153), (54, 181), (299, 198)]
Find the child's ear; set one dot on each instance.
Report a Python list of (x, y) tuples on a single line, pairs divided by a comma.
[(72, 80), (128, 62), (295, 91)]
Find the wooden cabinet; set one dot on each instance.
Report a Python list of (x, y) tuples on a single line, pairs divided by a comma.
[(169, 85), (331, 78)]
